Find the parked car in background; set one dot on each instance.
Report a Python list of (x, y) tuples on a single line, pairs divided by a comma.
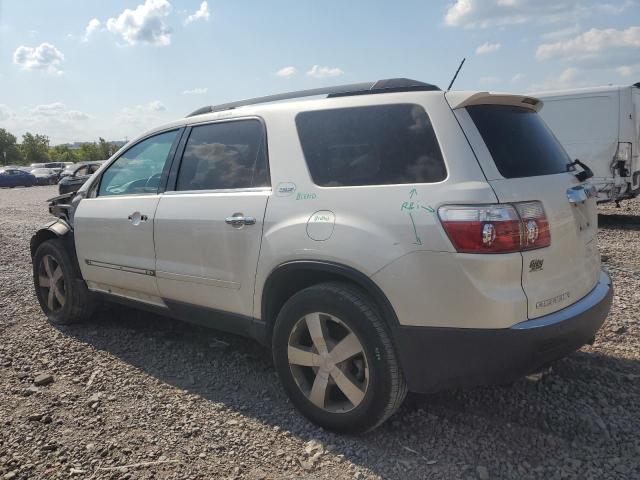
[(80, 174), (388, 237), (69, 169), (14, 177), (601, 127), (60, 165), (45, 176)]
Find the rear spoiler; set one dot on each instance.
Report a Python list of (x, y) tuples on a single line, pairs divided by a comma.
[(466, 99)]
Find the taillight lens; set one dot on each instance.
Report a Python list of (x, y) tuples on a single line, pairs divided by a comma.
[(535, 227), (501, 228)]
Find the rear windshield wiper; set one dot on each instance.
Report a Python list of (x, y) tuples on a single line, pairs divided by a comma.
[(584, 174)]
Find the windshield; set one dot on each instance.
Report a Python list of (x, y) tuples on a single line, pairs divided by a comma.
[(41, 171), (519, 141)]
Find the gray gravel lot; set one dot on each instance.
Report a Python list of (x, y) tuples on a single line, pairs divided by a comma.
[(179, 401)]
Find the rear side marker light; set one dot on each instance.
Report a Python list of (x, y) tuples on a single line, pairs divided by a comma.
[(500, 228)]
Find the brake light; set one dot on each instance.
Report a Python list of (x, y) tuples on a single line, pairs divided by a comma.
[(500, 228), (535, 225)]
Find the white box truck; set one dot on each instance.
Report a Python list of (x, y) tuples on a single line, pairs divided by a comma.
[(600, 126)]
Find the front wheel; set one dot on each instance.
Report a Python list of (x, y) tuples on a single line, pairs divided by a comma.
[(335, 358), (62, 295)]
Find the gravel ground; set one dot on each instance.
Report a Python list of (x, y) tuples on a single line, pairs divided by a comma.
[(139, 396)]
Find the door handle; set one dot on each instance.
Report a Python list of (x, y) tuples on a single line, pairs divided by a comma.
[(238, 220), (136, 218)]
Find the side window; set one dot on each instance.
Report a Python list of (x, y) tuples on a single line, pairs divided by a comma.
[(376, 145), (93, 169), (138, 170), (223, 156), (81, 171)]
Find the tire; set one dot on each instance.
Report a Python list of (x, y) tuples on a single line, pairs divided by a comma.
[(340, 310), (71, 301)]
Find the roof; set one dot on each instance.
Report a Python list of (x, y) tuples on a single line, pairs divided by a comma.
[(365, 88)]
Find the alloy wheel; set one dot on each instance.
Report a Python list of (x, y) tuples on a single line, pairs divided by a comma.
[(328, 362), (51, 283)]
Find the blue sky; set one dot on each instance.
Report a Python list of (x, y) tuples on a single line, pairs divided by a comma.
[(76, 70)]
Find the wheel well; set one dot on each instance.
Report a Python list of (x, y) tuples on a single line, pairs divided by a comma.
[(290, 278), (66, 237), (39, 238)]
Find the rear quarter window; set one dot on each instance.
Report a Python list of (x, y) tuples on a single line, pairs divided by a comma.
[(374, 145), (519, 141)]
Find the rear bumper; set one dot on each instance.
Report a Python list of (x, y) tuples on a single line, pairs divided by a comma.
[(435, 358)]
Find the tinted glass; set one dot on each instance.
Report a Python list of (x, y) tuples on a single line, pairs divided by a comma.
[(82, 171), (377, 145), (224, 155), (139, 169), (519, 141)]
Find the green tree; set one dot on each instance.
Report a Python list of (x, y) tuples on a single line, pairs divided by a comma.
[(62, 153), (35, 148), (9, 152), (106, 149), (89, 152)]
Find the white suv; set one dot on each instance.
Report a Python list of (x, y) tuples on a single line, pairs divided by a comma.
[(386, 237)]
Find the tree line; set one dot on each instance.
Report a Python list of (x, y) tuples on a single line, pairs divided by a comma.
[(35, 148)]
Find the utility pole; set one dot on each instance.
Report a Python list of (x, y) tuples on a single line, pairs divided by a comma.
[(4, 155)]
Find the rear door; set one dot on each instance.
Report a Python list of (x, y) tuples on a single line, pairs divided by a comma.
[(114, 225), (208, 226), (523, 161)]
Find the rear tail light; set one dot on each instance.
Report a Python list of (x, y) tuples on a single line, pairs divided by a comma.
[(501, 228), (535, 226)]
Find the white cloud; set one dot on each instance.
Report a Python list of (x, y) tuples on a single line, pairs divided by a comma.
[(155, 106), (487, 13), (628, 70), (569, 78), (134, 111), (57, 111), (5, 112), (487, 47), (93, 25), (324, 72), (195, 91), (287, 72), (55, 120), (489, 80), (596, 47), (144, 25), (43, 57), (201, 14), (518, 77), (561, 33), (135, 118)]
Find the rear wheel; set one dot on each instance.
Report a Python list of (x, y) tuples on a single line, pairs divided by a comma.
[(335, 358), (62, 295)]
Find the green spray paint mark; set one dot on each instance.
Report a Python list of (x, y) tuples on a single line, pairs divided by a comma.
[(428, 209), (412, 193), (305, 196), (415, 231)]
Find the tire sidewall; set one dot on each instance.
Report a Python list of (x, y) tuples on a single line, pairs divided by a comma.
[(341, 306), (53, 248)]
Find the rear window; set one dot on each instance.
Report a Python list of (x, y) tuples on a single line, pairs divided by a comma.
[(376, 145), (519, 141)]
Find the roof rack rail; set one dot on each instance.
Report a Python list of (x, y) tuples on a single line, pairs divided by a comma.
[(365, 88)]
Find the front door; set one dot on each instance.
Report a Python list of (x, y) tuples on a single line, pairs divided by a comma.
[(208, 225), (114, 225)]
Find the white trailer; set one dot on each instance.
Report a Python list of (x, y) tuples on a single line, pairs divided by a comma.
[(600, 126)]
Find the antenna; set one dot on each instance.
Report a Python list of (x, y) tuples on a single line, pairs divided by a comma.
[(456, 74)]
